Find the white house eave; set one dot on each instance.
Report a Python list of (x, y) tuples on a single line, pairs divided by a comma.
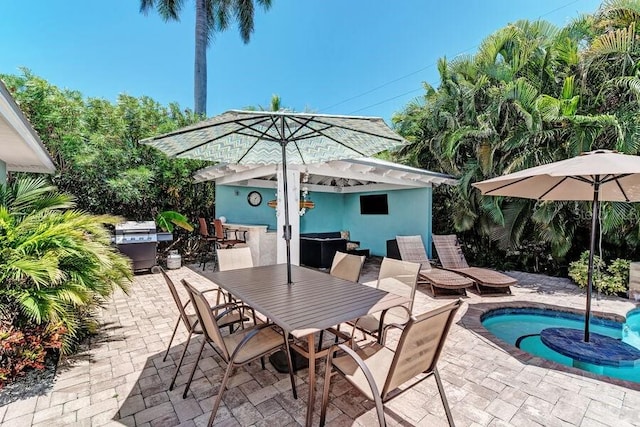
[(341, 176), (20, 146)]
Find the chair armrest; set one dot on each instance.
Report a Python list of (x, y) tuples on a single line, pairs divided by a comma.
[(357, 242), (361, 364), (383, 336), (232, 306), (254, 331)]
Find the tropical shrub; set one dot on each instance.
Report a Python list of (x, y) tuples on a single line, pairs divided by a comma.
[(532, 94), (26, 348), (94, 143), (57, 264), (610, 280)]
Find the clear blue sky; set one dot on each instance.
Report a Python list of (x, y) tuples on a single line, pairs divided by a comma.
[(364, 57)]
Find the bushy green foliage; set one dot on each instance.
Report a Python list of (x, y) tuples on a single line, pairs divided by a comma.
[(533, 94), (57, 264), (610, 280), (94, 143)]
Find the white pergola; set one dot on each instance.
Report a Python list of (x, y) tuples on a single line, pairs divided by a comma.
[(338, 176), (21, 149)]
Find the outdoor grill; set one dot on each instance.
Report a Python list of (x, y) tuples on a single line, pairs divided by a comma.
[(139, 241)]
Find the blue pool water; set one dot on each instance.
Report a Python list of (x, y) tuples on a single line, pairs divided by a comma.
[(521, 327)]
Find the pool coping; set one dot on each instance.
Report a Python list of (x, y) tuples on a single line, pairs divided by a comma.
[(472, 320)]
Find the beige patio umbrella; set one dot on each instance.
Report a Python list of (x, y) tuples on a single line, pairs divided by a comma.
[(600, 175), (267, 137)]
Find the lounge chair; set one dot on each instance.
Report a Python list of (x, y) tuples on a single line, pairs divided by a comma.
[(452, 258), (442, 282), (397, 277), (380, 373)]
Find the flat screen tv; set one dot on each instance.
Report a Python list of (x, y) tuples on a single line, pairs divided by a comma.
[(375, 204)]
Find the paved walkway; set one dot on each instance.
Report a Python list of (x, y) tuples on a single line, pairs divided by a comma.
[(121, 379)]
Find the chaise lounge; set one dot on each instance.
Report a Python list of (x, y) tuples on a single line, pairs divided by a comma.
[(451, 258), (442, 282)]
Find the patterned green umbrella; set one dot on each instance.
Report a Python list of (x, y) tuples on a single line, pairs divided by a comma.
[(265, 137)]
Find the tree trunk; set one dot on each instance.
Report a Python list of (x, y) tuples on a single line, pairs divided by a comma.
[(200, 65)]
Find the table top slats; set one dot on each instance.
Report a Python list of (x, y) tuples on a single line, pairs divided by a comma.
[(315, 300)]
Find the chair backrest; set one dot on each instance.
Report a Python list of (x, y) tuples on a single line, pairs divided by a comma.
[(449, 251), (399, 277), (412, 249), (204, 228), (347, 266), (234, 258), (420, 345), (176, 299), (206, 318), (218, 229)]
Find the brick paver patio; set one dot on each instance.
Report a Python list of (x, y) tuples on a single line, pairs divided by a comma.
[(121, 380)]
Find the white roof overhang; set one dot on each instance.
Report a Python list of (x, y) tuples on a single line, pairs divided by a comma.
[(20, 146), (338, 176)]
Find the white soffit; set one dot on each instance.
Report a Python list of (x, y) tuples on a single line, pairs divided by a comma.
[(338, 176), (20, 146)]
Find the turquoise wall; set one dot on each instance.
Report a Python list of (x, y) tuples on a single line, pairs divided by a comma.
[(3, 173), (231, 202), (409, 214), (326, 216)]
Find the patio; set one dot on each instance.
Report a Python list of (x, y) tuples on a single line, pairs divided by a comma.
[(120, 379)]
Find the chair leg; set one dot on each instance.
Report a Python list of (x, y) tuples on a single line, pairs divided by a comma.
[(193, 371), (320, 340), (443, 397), (175, 375), (175, 329), (325, 389), (223, 385), (292, 378)]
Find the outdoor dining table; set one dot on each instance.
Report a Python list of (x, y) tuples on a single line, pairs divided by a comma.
[(313, 302)]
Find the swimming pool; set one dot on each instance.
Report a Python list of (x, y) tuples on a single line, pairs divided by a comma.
[(521, 327)]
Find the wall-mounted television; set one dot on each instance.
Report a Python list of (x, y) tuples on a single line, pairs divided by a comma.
[(374, 204)]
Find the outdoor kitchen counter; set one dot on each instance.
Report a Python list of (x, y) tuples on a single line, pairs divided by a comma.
[(261, 242)]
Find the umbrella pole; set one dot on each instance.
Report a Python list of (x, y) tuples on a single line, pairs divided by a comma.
[(592, 249), (286, 232)]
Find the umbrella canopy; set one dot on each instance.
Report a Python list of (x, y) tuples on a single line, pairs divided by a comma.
[(266, 137), (618, 177), (256, 137), (595, 175)]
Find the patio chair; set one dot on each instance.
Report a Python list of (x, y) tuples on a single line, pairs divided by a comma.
[(223, 238), (452, 258), (378, 371), (442, 282), (238, 348), (234, 258), (347, 267), (397, 277), (207, 243), (190, 321)]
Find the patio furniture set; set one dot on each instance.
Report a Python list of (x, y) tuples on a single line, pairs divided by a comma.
[(264, 314)]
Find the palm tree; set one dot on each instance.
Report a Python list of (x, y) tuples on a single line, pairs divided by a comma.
[(211, 16), (518, 102)]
